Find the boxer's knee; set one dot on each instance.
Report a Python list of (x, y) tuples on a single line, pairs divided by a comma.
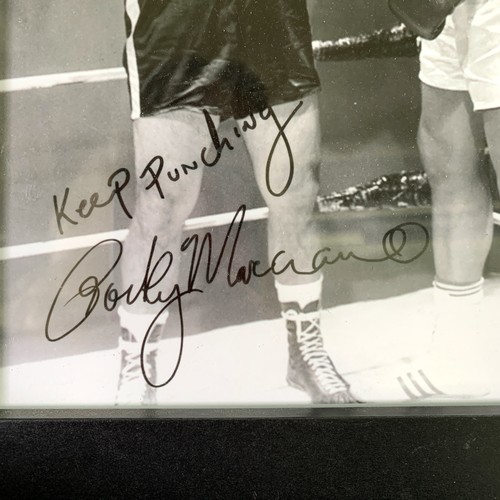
[(156, 216), (448, 156), (434, 151), (450, 137), (302, 192)]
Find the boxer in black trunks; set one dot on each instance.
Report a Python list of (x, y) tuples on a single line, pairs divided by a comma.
[(233, 58)]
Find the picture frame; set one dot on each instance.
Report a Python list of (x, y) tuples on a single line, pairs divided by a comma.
[(67, 139)]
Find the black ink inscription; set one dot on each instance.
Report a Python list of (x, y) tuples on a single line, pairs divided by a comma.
[(86, 207), (220, 144), (205, 265)]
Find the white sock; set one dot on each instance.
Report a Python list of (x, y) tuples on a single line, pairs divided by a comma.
[(455, 364), (138, 324), (301, 294), (458, 314), (457, 296)]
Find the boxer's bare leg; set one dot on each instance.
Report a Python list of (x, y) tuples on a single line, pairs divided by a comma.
[(178, 137), (291, 229), (451, 138), (492, 128)]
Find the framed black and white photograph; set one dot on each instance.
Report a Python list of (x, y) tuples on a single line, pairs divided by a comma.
[(216, 205)]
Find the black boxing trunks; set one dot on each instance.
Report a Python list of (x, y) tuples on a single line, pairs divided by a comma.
[(231, 57)]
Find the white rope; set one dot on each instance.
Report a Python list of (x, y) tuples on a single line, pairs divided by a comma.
[(61, 245), (56, 79), (109, 74), (87, 241)]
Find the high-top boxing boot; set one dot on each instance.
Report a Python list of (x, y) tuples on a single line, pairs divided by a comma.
[(310, 368), (133, 389)]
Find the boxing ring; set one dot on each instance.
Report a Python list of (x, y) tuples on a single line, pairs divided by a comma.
[(409, 189), (393, 192)]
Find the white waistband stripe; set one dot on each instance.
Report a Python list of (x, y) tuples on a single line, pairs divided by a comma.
[(133, 11)]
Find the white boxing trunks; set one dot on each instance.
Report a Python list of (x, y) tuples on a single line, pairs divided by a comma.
[(466, 55)]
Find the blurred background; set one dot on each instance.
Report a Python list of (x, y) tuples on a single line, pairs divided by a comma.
[(75, 136)]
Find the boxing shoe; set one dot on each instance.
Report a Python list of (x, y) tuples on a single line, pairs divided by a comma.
[(310, 368), (132, 386), (426, 18), (443, 378), (455, 366)]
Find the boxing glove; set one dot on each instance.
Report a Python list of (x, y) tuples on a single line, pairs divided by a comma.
[(426, 18)]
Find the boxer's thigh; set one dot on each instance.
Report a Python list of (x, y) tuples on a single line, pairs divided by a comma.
[(167, 157), (285, 148)]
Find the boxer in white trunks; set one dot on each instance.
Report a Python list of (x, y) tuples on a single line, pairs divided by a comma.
[(460, 75)]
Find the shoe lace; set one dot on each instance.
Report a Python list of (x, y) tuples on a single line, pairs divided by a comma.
[(131, 373), (312, 349)]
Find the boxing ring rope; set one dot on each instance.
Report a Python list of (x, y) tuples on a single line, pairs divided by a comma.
[(394, 42), (86, 241), (402, 190), (57, 79)]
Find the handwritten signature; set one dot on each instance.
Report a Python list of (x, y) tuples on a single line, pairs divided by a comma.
[(204, 267)]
